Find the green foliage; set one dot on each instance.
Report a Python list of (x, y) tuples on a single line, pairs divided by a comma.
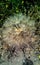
[(10, 7)]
